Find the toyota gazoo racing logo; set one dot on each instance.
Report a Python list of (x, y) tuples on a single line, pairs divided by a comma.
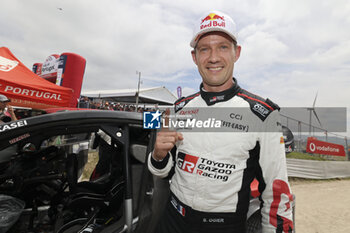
[(216, 98), (205, 167), (187, 162), (212, 20)]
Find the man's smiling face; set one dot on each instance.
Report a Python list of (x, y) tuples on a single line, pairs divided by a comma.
[(215, 55)]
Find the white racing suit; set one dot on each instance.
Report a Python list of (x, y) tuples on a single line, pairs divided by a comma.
[(213, 170)]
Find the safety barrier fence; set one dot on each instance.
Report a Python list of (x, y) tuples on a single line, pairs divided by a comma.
[(312, 169)]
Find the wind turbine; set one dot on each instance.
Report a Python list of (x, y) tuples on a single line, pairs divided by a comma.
[(312, 110)]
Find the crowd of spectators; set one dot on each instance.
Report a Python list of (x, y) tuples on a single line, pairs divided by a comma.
[(86, 102)]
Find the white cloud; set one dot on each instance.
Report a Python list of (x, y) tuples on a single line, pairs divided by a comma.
[(262, 49), (290, 49)]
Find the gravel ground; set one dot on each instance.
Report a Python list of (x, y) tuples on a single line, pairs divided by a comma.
[(322, 206)]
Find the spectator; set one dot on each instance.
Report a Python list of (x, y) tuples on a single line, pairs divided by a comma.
[(6, 111), (84, 102)]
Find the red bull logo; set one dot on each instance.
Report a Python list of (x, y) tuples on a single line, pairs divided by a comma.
[(213, 20)]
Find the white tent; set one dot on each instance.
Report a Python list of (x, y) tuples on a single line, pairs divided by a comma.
[(155, 95)]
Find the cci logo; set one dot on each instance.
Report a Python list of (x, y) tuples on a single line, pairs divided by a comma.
[(151, 120)]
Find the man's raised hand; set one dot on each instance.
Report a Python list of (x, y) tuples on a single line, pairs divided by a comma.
[(166, 139)]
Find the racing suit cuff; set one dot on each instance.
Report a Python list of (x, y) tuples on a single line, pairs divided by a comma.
[(160, 164)]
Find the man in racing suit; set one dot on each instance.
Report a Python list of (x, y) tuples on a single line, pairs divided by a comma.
[(210, 187)]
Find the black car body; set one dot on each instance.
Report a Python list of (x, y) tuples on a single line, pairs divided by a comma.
[(42, 158)]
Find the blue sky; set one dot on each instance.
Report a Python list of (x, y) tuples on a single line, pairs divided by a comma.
[(290, 49)]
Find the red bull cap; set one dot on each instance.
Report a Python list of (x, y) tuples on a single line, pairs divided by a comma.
[(213, 21)]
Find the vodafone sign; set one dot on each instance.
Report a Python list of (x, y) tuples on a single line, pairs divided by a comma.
[(315, 146)]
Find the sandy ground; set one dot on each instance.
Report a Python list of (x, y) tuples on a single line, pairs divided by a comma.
[(322, 206)]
